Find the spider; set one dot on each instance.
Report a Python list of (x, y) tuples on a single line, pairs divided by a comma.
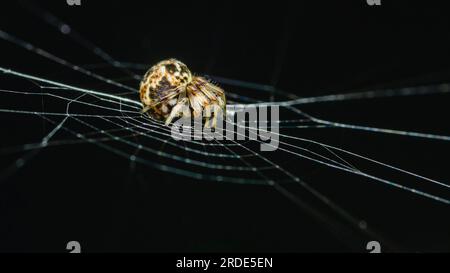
[(169, 90)]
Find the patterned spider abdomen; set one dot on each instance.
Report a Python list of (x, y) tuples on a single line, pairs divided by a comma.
[(161, 86)]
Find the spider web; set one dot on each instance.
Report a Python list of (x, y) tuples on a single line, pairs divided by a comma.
[(108, 116)]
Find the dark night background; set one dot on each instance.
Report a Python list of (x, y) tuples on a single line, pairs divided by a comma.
[(83, 193)]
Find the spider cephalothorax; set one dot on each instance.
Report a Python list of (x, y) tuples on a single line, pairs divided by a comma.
[(169, 91)]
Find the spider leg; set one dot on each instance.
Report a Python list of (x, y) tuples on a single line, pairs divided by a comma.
[(212, 112), (146, 109), (207, 116), (217, 111), (181, 108)]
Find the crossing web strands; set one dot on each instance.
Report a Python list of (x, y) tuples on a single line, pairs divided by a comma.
[(112, 120)]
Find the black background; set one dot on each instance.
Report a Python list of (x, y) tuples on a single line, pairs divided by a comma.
[(310, 48)]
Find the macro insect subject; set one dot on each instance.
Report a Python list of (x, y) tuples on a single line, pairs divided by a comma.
[(169, 90)]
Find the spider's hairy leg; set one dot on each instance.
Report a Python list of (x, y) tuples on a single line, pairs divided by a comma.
[(180, 109), (212, 112), (217, 112), (146, 109), (217, 100), (207, 114)]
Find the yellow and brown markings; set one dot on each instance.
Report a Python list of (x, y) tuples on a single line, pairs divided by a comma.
[(167, 82)]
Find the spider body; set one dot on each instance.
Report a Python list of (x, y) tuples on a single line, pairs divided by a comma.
[(169, 90)]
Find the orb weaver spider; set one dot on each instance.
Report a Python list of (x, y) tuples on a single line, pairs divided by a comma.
[(169, 90)]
